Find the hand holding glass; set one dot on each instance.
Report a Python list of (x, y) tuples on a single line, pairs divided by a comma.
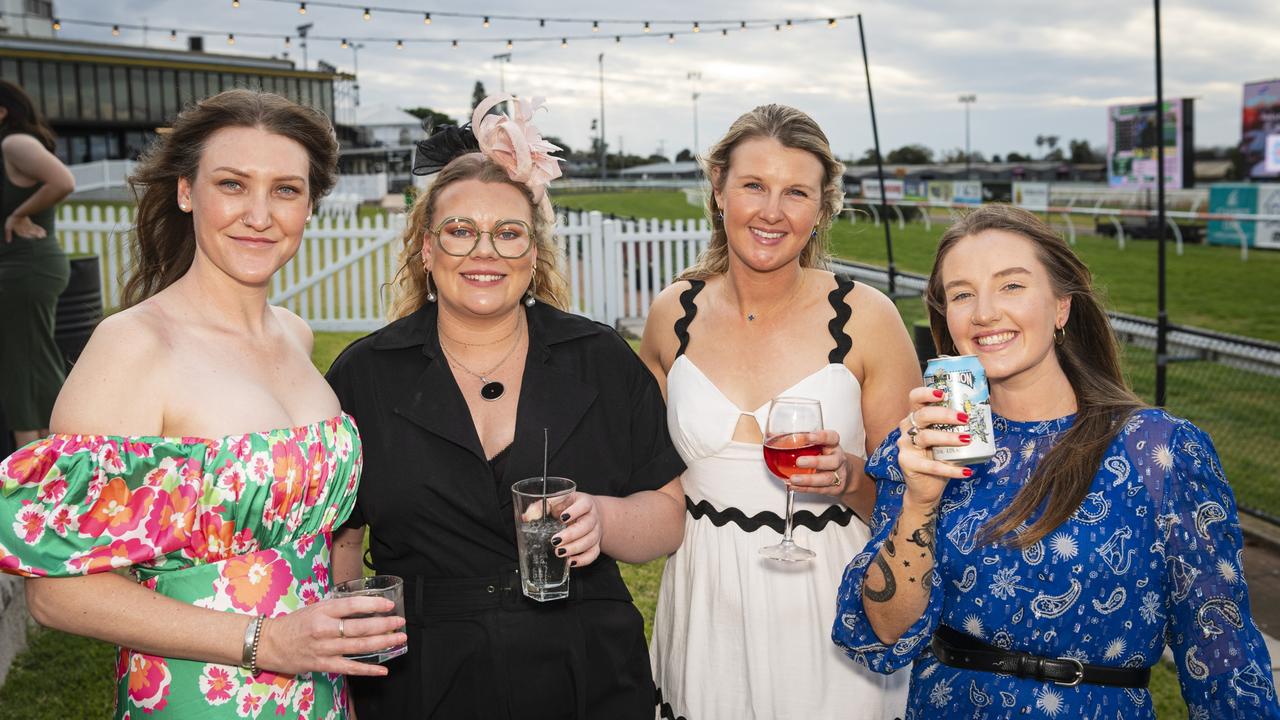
[(388, 587), (788, 435), (538, 503)]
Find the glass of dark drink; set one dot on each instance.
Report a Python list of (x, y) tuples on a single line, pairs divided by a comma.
[(788, 435)]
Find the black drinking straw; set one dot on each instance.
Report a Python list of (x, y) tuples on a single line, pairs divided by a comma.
[(545, 444)]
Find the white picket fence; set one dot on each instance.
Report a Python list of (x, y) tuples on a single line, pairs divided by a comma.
[(340, 278)]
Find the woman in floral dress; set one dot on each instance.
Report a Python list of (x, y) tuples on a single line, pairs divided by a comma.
[(161, 459), (1048, 580)]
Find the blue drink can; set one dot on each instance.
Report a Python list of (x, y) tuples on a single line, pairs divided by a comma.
[(964, 381)]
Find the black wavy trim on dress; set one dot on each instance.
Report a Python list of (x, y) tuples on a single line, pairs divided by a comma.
[(690, 311), (668, 712), (844, 343), (803, 518)]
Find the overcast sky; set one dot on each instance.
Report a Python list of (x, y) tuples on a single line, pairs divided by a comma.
[(1037, 67)]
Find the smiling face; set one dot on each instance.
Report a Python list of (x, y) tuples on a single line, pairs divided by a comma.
[(482, 283), (771, 196), (1002, 307), (249, 202)]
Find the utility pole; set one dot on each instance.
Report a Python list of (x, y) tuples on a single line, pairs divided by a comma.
[(503, 59), (695, 76), (967, 100), (302, 40), (355, 61), (604, 157)]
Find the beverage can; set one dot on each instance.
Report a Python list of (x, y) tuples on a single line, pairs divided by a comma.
[(964, 381)]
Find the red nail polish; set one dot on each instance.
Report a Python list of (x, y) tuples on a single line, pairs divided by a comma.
[(968, 472), (966, 439), (939, 394), (962, 417)]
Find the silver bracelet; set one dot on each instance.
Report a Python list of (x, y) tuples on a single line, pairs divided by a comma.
[(249, 651)]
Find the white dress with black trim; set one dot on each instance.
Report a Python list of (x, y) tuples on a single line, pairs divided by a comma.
[(737, 636)]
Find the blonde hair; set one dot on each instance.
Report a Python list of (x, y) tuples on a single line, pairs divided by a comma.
[(793, 129), (410, 284)]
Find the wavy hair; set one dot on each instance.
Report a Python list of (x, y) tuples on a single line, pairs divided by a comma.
[(793, 129), (163, 242), (23, 117), (1089, 355), (410, 285)]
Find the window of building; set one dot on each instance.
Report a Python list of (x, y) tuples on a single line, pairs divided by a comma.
[(155, 103), (199, 91), (169, 91), (138, 95), (186, 93), (8, 68), (70, 91), (106, 105), (49, 89), (88, 92), (120, 79), (31, 81)]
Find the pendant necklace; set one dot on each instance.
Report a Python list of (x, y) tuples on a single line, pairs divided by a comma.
[(491, 389), (751, 317)]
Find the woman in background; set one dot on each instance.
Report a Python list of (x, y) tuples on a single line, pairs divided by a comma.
[(33, 267)]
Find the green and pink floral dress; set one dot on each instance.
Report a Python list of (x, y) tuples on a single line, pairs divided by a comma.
[(240, 524)]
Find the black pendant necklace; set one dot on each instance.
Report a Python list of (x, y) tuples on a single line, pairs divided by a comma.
[(490, 389)]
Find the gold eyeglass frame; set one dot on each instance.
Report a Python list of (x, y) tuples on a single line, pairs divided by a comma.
[(481, 233)]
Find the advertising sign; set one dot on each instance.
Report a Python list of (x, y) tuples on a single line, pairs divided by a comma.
[(968, 192), (893, 189), (1134, 132), (1260, 127), (913, 190), (1232, 198), (1268, 204), (939, 192), (1031, 195)]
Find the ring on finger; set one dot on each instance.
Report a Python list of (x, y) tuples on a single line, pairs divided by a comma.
[(835, 480), (341, 632), (911, 418), (911, 433)]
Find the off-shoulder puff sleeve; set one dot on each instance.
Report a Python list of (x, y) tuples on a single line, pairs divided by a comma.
[(78, 504), (852, 631)]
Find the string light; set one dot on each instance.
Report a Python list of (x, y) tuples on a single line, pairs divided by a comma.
[(777, 28), (695, 27), (399, 44), (646, 26), (564, 42), (509, 44), (344, 43), (302, 8), (595, 26), (57, 24), (486, 21), (426, 18), (235, 3), (788, 24), (287, 41), (542, 22), (671, 38), (115, 30), (617, 38), (231, 38), (173, 35), (744, 26), (455, 43), (724, 32), (367, 15), (831, 22)]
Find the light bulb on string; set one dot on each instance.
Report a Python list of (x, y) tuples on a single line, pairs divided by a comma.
[(564, 42), (288, 41), (646, 26), (455, 43), (777, 28), (743, 27), (696, 28), (399, 44), (231, 38), (595, 26), (831, 22), (486, 21), (509, 44), (302, 8), (115, 31), (367, 15), (173, 35), (57, 24), (235, 3), (617, 38), (671, 38), (344, 44), (542, 22), (789, 26), (724, 32)]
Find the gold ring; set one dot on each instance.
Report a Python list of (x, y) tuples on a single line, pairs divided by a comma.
[(341, 633), (911, 433), (911, 418)]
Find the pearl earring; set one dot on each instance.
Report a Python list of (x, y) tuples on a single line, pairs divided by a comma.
[(431, 293)]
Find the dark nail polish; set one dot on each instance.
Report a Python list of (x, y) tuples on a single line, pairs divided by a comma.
[(573, 563), (968, 472), (564, 517), (962, 417), (560, 552), (555, 541), (966, 439)]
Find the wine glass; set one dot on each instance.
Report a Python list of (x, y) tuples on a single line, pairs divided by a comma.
[(788, 435)]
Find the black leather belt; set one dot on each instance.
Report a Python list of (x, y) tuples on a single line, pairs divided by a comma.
[(959, 650)]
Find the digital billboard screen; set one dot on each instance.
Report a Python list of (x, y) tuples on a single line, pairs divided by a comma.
[(1261, 127), (1134, 133)]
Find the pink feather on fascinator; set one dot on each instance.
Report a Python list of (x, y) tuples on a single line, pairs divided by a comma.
[(513, 142)]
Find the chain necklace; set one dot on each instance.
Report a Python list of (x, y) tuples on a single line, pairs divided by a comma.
[(504, 338), (491, 389), (751, 316)]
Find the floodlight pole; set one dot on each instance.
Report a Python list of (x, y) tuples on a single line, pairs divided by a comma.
[(604, 157), (967, 100), (503, 59), (1162, 314), (302, 36), (875, 136)]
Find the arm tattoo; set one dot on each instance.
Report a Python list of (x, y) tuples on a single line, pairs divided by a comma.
[(926, 535), (890, 584)]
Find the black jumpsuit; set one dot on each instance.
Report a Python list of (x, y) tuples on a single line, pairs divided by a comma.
[(441, 517)]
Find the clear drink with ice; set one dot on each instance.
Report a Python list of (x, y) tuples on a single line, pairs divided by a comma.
[(543, 574)]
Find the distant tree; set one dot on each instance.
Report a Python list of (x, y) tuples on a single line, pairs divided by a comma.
[(430, 118), (1014, 157), (1081, 152), (996, 158), (656, 158), (1055, 154), (914, 154), (684, 155), (478, 94), (868, 158)]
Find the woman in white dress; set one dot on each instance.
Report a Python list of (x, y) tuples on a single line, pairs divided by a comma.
[(737, 635)]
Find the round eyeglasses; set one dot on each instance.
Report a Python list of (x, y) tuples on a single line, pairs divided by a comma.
[(460, 236)]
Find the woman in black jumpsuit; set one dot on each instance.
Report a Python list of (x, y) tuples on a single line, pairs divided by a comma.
[(440, 459)]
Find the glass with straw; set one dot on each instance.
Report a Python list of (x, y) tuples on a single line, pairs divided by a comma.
[(538, 503)]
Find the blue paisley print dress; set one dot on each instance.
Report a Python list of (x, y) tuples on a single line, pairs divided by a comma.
[(1151, 556)]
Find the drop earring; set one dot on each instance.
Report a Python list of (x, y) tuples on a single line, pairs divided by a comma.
[(530, 296), (431, 292)]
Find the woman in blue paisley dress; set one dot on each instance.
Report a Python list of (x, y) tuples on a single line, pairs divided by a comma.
[(1048, 580)]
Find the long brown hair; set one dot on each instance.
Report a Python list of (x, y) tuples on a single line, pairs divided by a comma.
[(411, 284), (1089, 356), (23, 117), (163, 242), (793, 129)]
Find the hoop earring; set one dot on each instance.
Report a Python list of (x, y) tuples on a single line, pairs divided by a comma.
[(431, 293), (530, 295), (1059, 335)]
